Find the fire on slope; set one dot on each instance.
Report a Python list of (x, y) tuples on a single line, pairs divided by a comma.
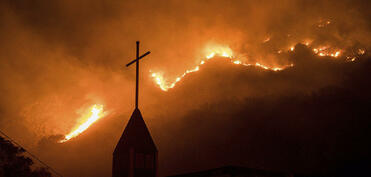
[(94, 113), (210, 53), (224, 51)]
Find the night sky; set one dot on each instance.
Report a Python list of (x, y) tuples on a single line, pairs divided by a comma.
[(276, 85)]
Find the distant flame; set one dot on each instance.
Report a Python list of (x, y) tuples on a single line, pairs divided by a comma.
[(237, 62), (266, 39), (211, 52), (94, 114), (218, 50), (325, 51)]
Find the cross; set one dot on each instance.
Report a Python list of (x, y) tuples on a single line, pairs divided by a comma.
[(137, 72)]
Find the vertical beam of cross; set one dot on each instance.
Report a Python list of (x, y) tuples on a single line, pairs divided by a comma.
[(137, 77), (136, 60)]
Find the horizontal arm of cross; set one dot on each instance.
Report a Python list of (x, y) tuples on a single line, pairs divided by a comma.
[(138, 58)]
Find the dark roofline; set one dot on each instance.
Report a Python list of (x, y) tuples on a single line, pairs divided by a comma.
[(232, 169)]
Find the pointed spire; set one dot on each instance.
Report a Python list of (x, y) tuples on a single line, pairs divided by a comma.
[(136, 135)]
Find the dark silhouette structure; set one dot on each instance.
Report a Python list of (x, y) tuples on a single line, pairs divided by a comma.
[(135, 154), (231, 171)]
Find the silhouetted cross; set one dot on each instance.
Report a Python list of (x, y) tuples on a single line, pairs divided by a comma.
[(137, 72)]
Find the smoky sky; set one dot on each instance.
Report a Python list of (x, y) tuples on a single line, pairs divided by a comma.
[(60, 57)]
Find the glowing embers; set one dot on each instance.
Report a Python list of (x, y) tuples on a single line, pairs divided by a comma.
[(326, 51), (356, 54), (320, 51), (323, 23), (361, 51), (93, 114)]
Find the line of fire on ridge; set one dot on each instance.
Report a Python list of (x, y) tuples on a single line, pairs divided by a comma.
[(226, 52)]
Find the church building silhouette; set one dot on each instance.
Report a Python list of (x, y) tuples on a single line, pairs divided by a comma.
[(135, 154)]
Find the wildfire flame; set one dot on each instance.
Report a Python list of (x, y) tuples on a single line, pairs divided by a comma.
[(210, 53), (266, 39), (324, 51), (95, 113), (226, 52)]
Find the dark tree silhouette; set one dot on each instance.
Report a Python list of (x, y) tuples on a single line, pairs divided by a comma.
[(13, 163)]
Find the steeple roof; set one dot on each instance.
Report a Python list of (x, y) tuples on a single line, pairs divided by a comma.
[(136, 135)]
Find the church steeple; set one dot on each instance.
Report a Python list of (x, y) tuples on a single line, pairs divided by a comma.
[(136, 135), (135, 154)]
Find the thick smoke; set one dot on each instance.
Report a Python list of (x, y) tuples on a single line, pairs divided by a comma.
[(60, 57)]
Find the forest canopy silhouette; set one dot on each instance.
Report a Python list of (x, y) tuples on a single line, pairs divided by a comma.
[(13, 162)]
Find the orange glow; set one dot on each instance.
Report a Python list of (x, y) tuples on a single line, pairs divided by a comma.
[(307, 42), (95, 113)]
